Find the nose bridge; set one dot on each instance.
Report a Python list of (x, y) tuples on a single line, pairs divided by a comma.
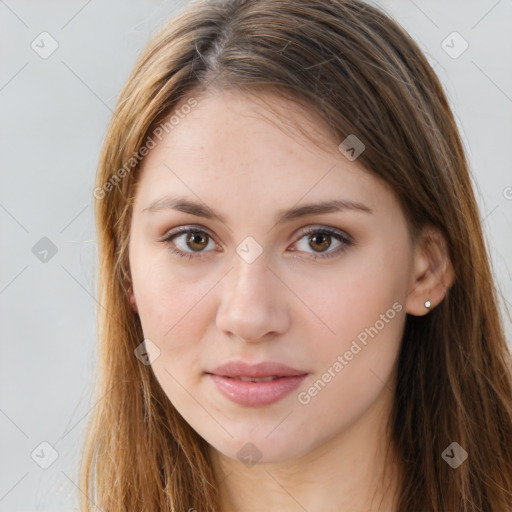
[(250, 280), (249, 303)]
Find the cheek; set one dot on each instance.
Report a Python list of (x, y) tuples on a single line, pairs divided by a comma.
[(165, 297), (355, 366), (353, 296), (172, 316), (362, 318)]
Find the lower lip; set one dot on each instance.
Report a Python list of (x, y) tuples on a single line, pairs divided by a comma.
[(254, 394)]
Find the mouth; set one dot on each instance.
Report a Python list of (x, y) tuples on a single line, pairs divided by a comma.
[(264, 370), (255, 385), (253, 379), (256, 391)]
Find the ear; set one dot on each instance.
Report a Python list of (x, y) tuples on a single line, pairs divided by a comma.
[(133, 301), (432, 274)]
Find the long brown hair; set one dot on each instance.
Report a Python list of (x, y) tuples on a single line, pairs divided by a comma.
[(361, 73)]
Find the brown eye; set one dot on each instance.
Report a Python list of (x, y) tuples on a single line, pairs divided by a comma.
[(319, 240), (322, 241), (196, 240), (188, 242)]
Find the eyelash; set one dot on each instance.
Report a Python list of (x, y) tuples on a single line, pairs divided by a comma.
[(346, 241)]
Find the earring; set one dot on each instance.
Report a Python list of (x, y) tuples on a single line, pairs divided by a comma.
[(427, 304)]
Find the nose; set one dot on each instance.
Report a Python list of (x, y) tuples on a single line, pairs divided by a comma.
[(254, 302)]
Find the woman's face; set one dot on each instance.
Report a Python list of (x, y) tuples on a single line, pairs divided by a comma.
[(248, 288)]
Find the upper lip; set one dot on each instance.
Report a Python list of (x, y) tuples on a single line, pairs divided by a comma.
[(264, 369)]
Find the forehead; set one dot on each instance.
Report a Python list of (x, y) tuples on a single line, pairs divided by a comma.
[(252, 154)]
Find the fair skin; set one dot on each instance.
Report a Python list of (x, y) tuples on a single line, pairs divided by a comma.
[(325, 453)]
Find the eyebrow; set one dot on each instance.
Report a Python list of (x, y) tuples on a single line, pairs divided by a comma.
[(185, 205)]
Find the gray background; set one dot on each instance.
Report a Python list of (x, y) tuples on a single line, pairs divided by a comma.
[(54, 117)]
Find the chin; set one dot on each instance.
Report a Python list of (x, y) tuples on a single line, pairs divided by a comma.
[(257, 449)]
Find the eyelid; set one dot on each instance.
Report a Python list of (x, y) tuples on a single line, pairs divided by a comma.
[(322, 228), (185, 228)]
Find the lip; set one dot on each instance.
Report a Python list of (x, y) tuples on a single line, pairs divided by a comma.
[(254, 394), (264, 369)]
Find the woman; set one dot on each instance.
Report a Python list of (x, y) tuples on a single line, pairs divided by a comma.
[(299, 312)]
